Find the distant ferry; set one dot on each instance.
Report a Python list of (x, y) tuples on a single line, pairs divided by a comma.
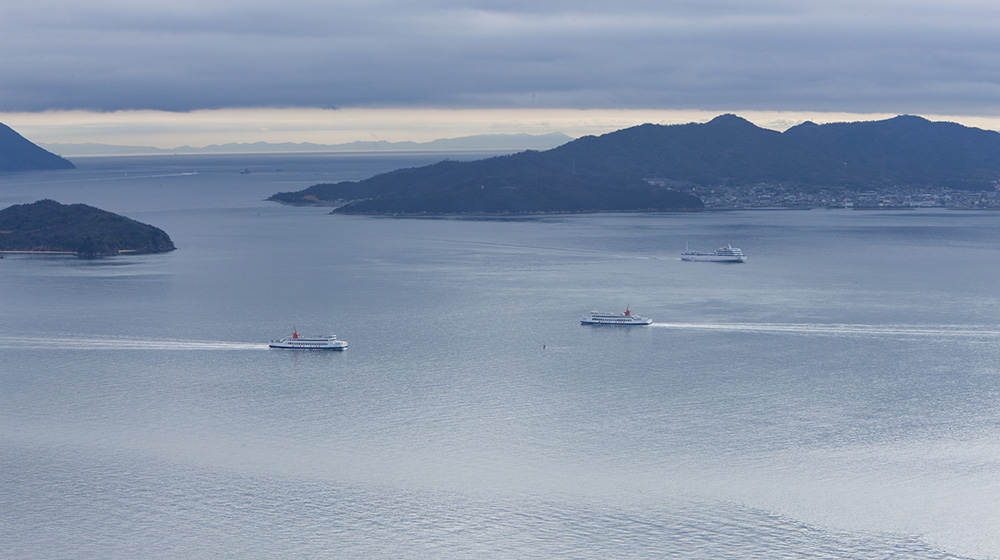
[(297, 342), (728, 254), (626, 318)]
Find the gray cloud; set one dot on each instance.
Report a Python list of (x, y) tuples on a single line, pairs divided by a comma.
[(184, 55)]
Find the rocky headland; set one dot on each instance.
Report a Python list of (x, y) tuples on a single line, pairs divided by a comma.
[(17, 153)]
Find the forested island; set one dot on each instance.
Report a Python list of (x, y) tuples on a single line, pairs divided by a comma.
[(50, 227), (17, 153), (663, 167)]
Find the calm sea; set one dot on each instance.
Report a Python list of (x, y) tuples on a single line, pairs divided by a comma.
[(837, 396)]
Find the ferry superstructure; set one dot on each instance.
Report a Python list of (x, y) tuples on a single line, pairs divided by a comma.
[(728, 254), (626, 318), (297, 342)]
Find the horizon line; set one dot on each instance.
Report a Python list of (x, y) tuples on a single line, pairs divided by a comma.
[(169, 130)]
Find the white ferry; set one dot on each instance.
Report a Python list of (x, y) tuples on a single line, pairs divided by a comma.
[(626, 318), (297, 342), (728, 254)]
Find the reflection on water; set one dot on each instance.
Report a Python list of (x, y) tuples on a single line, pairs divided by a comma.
[(857, 330), (834, 397), (56, 342)]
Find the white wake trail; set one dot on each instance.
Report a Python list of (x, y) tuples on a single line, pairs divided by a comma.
[(843, 329), (113, 343)]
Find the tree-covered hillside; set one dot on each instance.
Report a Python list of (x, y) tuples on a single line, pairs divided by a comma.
[(18, 154), (519, 184), (47, 225), (621, 170)]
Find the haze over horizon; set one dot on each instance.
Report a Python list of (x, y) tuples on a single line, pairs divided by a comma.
[(197, 73)]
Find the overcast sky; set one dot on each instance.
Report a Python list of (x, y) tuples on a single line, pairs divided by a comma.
[(630, 56)]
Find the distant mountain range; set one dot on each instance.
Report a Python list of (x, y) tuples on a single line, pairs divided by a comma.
[(634, 168), (17, 153), (485, 142)]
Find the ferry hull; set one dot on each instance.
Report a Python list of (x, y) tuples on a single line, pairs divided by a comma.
[(713, 258), (304, 347), (622, 323)]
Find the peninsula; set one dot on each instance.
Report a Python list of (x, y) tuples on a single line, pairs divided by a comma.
[(524, 183), (676, 167), (17, 153), (49, 227)]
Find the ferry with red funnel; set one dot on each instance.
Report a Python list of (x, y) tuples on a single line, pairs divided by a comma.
[(626, 318), (296, 342)]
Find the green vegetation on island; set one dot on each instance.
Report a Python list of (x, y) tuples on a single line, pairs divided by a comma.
[(523, 183), (47, 226), (643, 168)]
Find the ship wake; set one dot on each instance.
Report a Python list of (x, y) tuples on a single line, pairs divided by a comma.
[(836, 329), (121, 343)]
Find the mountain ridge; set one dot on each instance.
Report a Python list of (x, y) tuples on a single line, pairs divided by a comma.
[(628, 168)]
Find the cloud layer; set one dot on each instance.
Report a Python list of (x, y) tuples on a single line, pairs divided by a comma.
[(896, 57)]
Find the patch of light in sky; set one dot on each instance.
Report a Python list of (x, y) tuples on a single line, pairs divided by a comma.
[(164, 129)]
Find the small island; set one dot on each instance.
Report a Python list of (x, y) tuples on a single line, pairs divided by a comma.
[(47, 226)]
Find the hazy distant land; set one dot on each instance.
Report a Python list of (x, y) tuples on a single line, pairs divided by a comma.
[(664, 168), (486, 142), (47, 226)]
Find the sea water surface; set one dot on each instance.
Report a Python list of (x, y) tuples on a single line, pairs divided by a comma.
[(837, 396)]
